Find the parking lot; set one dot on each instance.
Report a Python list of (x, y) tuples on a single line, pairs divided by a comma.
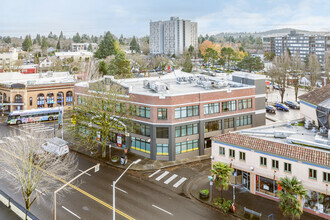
[(273, 96)]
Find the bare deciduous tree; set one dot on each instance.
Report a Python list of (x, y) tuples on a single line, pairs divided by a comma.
[(103, 112), (30, 170), (314, 69), (278, 72), (296, 71)]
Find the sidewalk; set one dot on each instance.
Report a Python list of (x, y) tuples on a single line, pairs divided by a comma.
[(243, 198), (145, 164)]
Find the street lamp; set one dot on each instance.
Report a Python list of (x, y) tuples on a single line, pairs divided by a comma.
[(114, 189), (96, 167)]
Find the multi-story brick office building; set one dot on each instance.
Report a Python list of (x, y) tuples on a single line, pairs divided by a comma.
[(30, 91), (177, 116), (299, 44), (173, 36), (261, 156)]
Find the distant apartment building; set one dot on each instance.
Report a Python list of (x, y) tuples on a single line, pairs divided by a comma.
[(83, 47), (8, 59), (176, 115), (298, 44), (173, 36)]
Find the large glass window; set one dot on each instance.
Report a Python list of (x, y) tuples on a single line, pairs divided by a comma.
[(50, 100), (229, 106), (60, 97), (141, 129), (18, 99), (244, 120), (267, 186), (162, 132), (162, 149), (41, 100), (211, 108), (69, 98), (143, 112), (213, 126), (186, 146), (228, 123), (244, 103), (187, 111), (318, 202), (186, 130), (162, 113), (140, 145)]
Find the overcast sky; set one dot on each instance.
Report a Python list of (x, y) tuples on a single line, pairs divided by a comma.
[(131, 17)]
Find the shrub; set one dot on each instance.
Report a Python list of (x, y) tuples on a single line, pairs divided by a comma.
[(223, 204)]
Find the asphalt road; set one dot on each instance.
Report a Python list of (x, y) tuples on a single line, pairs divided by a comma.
[(135, 197)]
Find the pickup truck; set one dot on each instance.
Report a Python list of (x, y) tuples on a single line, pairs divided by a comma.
[(283, 107), (293, 105)]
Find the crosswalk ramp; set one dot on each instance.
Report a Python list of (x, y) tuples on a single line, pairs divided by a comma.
[(36, 127), (167, 178)]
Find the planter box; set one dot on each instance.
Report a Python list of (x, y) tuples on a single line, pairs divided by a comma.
[(204, 196)]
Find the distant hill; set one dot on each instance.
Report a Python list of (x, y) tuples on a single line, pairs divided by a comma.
[(275, 32)]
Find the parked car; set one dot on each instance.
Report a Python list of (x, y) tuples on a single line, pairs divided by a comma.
[(270, 109), (293, 105), (277, 87), (283, 107), (217, 71)]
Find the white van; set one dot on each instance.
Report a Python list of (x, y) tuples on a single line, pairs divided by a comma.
[(56, 146)]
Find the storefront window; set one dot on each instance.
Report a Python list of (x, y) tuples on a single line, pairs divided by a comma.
[(317, 202), (267, 186)]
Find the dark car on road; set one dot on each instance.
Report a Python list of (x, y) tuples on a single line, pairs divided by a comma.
[(283, 107), (270, 109), (293, 105)]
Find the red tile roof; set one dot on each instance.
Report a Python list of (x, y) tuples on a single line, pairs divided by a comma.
[(286, 150), (316, 96)]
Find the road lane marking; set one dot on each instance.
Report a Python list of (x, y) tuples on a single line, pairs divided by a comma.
[(180, 182), (75, 187), (157, 171), (84, 173), (2, 142), (170, 179), (162, 209), (162, 176), (10, 173), (71, 212), (40, 192), (120, 189)]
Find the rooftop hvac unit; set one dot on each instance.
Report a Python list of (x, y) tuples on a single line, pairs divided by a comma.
[(146, 84), (207, 84)]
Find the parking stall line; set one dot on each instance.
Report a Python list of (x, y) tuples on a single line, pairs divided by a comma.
[(71, 212), (162, 209), (120, 189), (84, 173)]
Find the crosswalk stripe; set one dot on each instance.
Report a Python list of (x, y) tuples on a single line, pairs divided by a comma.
[(10, 139), (38, 131), (2, 142), (170, 179), (157, 171), (180, 182), (162, 176)]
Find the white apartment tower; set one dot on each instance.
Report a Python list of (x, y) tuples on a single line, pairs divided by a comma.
[(173, 36)]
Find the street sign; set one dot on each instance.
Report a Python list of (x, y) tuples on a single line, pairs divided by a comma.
[(119, 140), (210, 178), (74, 120)]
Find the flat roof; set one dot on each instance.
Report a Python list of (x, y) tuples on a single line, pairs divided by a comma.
[(9, 78), (181, 83)]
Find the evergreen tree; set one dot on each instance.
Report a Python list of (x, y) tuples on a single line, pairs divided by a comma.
[(61, 36), (251, 63), (7, 40), (103, 68), (187, 66), (191, 50), (38, 38), (106, 47), (90, 48), (120, 66), (58, 46), (121, 40), (76, 38), (27, 43), (44, 45), (134, 45)]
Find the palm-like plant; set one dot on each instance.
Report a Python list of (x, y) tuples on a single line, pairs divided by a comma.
[(289, 204), (222, 172)]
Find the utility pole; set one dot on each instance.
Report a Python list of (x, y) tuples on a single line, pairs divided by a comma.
[(62, 114)]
